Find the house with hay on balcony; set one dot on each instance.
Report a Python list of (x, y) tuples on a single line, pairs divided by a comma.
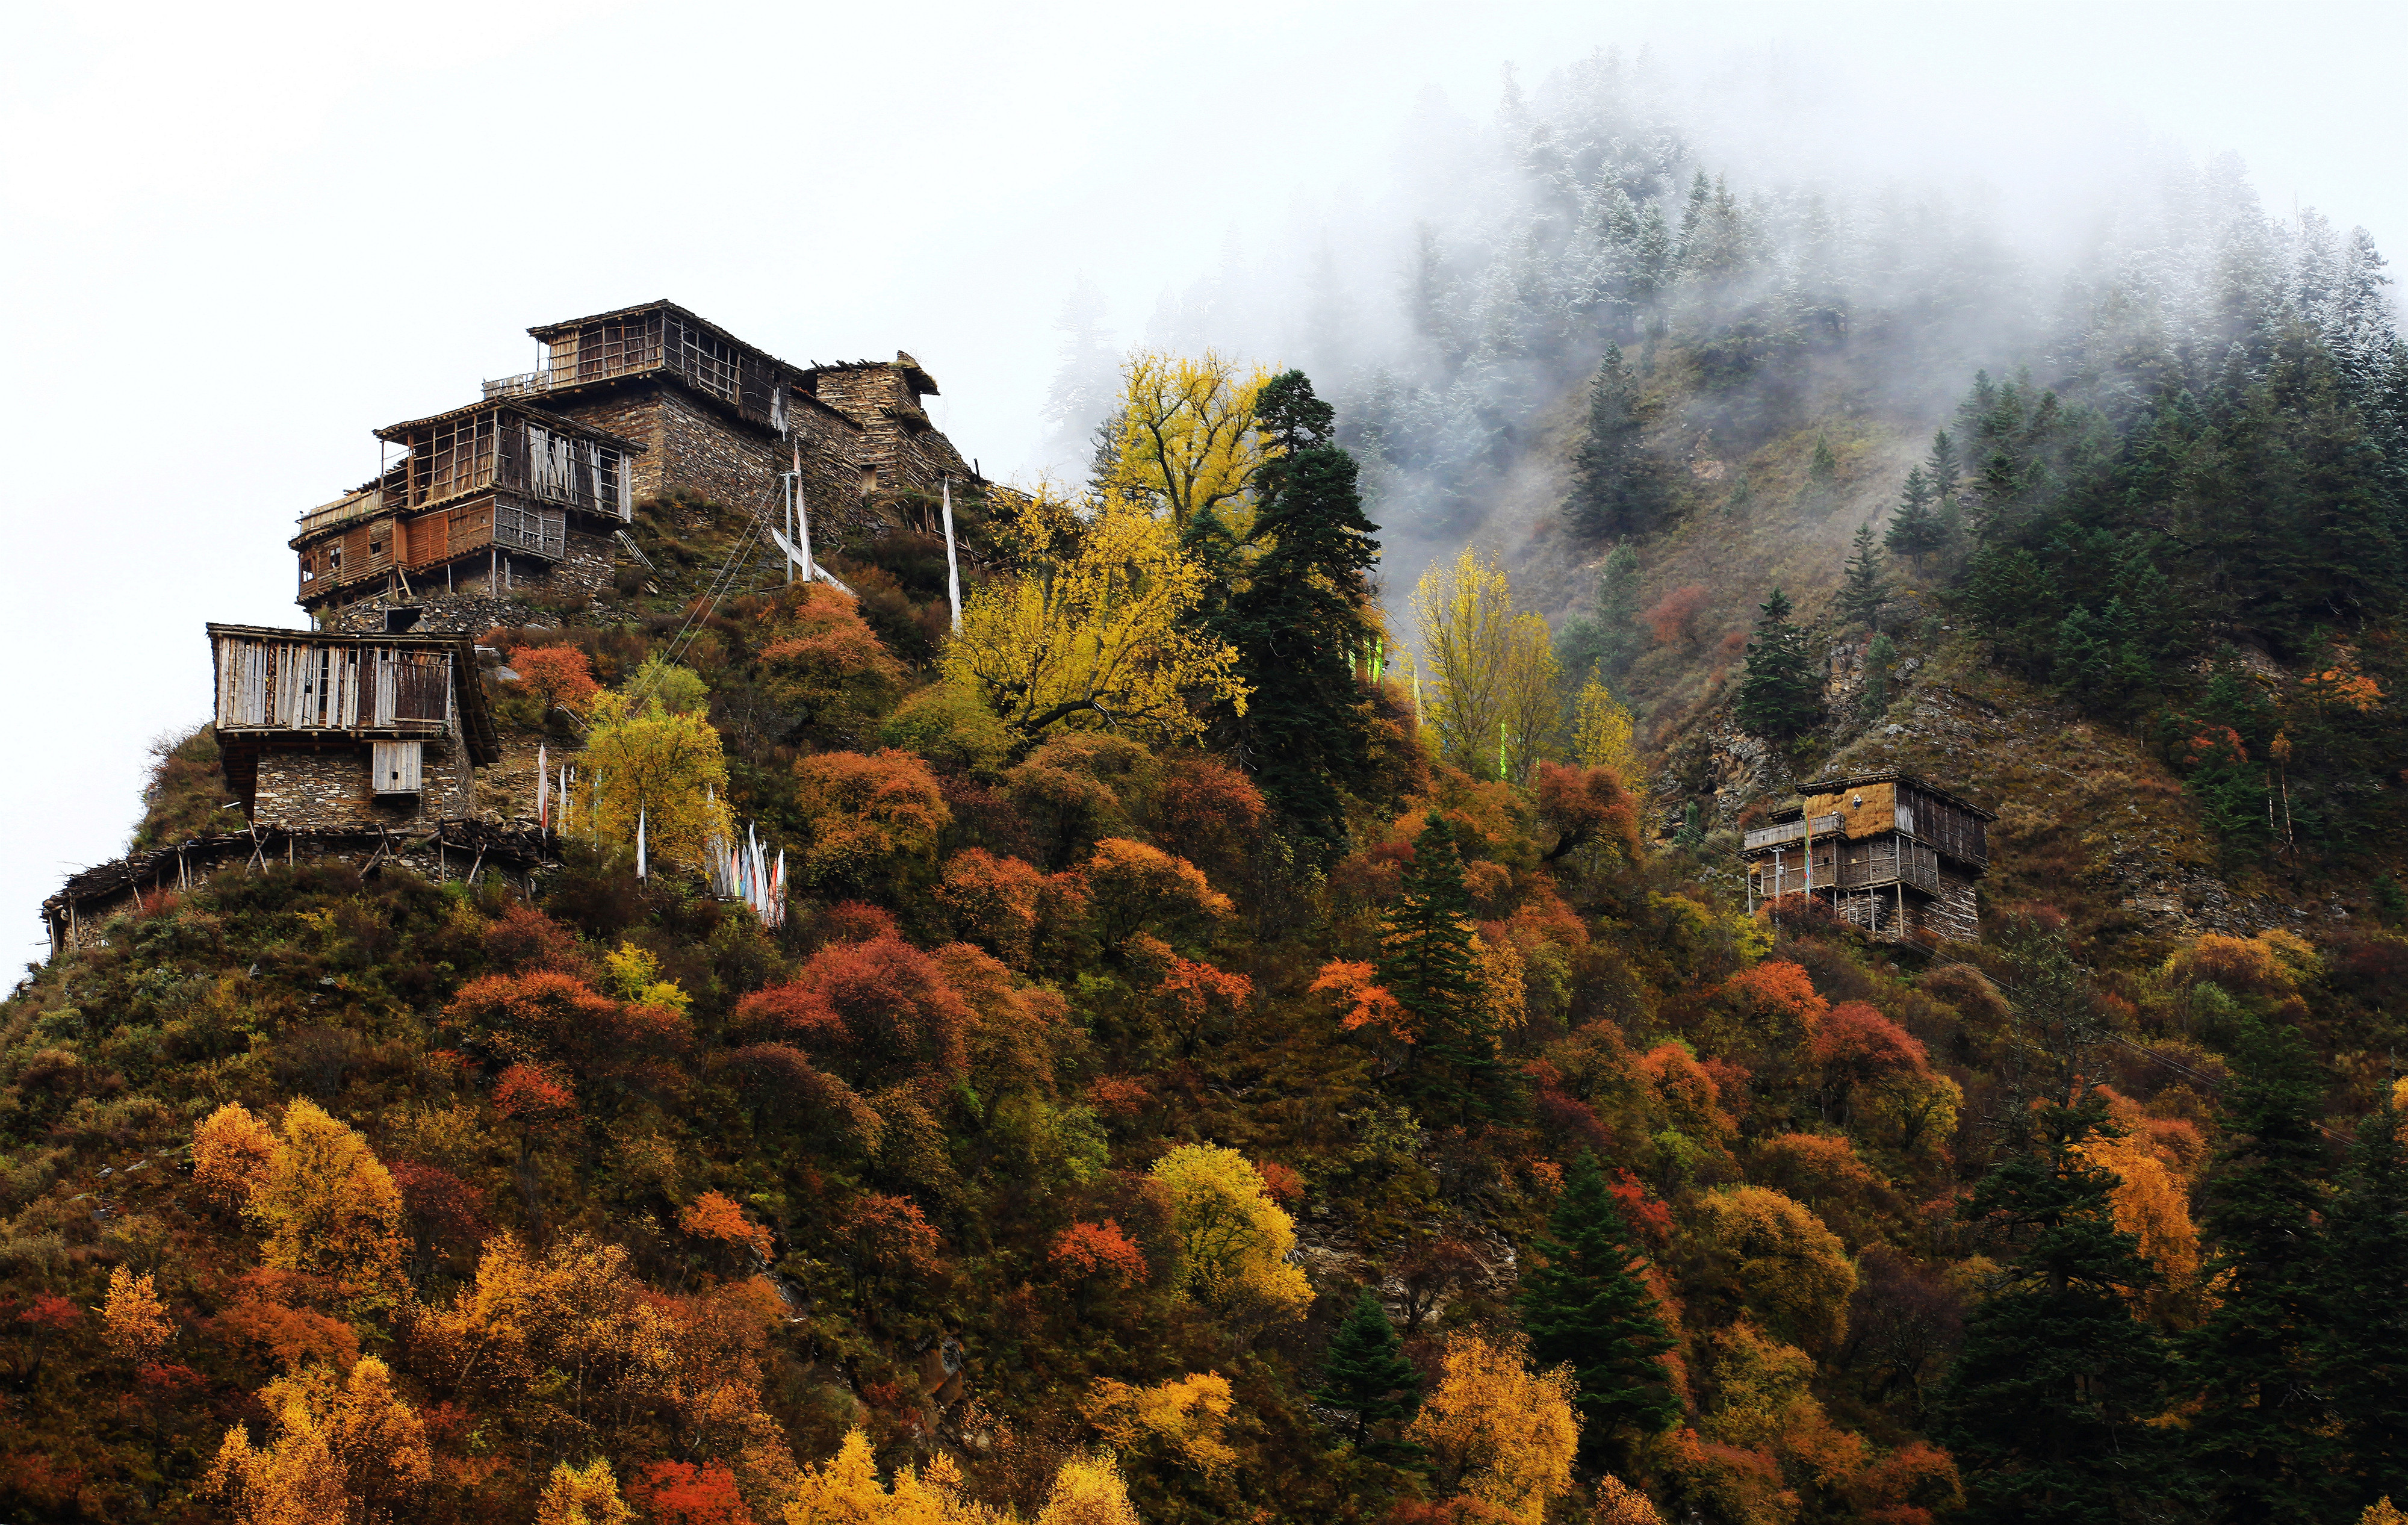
[(1887, 852)]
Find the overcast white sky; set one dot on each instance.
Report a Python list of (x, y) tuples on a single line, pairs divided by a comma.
[(236, 238)]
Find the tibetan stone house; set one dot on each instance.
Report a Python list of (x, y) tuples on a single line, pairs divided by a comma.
[(528, 490), (1887, 852), (321, 731)]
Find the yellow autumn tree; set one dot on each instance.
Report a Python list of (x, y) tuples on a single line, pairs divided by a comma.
[(845, 1490), (646, 760), (1498, 1431), (136, 1320), (334, 1438), (1465, 615), (1529, 706), (1795, 1274), (1602, 733), (586, 1495), (231, 1150), (1088, 1491), (2151, 1202), (1094, 632), (1619, 1504), (1184, 442), (1181, 1419), (1234, 1240), (329, 1207)]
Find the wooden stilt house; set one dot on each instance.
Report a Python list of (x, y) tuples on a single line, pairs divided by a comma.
[(1887, 851), (319, 729)]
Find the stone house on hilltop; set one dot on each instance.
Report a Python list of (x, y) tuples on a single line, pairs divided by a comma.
[(528, 490)]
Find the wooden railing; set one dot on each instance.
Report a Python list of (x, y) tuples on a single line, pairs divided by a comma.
[(1765, 838)]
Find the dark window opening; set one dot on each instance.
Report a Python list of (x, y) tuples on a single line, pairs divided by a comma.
[(399, 620)]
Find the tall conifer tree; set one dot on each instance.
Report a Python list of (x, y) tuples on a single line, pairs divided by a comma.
[(2361, 1356), (1428, 962), (1782, 694), (1608, 638), (1616, 487), (2048, 1406), (1585, 1307), (2259, 1442), (1367, 1376), (1863, 589), (1292, 597), (1915, 528)]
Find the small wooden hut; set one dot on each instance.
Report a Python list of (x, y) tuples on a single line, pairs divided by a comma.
[(319, 729), (1888, 850)]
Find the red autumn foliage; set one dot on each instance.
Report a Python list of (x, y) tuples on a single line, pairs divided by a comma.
[(994, 901), (1192, 994), (558, 675), (682, 1493), (443, 1208), (1098, 1249), (1369, 1004), (1584, 807), (524, 939), (888, 1238), (535, 1099), (1285, 1186), (262, 1318), (1855, 1044), (850, 921), (1119, 1096), (877, 1009), (1674, 620), (715, 1217), (1210, 810), (549, 1017), (781, 1080), (1648, 1213)]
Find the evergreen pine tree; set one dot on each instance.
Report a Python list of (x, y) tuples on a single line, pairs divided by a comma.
[(2048, 1408), (1367, 1376), (1878, 658), (1780, 697), (1584, 1307), (1914, 529), (1822, 478), (1609, 639), (1426, 961), (1946, 469), (2259, 1442), (2363, 1347), (1294, 603), (1615, 488), (1863, 589)]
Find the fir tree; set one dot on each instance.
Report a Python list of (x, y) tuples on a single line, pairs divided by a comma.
[(1822, 478), (2361, 1356), (1863, 589), (1914, 529), (2048, 1406), (1616, 487), (1297, 613), (2259, 1442), (1586, 1307), (1609, 639), (1428, 962), (1780, 697), (1878, 658), (1367, 1376)]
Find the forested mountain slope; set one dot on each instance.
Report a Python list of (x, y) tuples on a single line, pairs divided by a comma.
[(1214, 1065)]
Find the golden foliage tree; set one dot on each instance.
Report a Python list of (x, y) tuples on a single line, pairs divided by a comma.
[(1182, 1418), (1791, 1271), (135, 1320), (586, 1495), (1498, 1431), (1466, 614), (1619, 1504), (231, 1150), (869, 819), (329, 1207), (341, 1448), (1603, 734), (1233, 1239), (1088, 1491), (845, 1490), (1184, 442), (655, 762), (1094, 631)]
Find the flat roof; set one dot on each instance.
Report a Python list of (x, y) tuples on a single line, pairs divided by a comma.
[(1889, 775)]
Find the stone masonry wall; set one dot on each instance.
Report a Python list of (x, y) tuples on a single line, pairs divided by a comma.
[(301, 788)]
